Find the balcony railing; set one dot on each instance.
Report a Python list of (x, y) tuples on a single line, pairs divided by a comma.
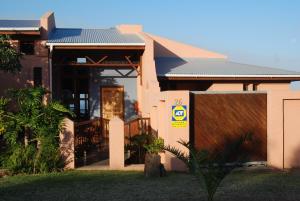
[(91, 140)]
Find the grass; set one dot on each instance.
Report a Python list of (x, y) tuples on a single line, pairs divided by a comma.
[(128, 186)]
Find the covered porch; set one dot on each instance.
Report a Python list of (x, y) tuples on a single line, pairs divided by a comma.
[(98, 84)]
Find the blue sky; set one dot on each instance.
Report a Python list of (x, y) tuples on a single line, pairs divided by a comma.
[(250, 31)]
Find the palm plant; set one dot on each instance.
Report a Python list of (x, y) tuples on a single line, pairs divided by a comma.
[(210, 168)]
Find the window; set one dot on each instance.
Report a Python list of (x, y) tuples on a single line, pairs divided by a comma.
[(27, 47), (81, 60), (37, 76), (83, 105)]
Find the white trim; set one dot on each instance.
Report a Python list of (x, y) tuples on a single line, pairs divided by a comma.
[(233, 76), (19, 28), (95, 44)]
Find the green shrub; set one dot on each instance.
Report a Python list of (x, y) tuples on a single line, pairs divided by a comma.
[(156, 146), (30, 130)]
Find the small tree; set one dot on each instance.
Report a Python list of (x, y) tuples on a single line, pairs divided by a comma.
[(9, 57), (211, 168)]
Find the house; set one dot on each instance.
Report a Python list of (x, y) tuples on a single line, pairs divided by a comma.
[(154, 84)]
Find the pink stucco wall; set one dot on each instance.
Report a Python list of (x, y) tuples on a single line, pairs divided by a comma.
[(165, 47), (116, 144), (28, 62), (283, 138), (169, 133), (226, 87), (67, 144), (273, 86)]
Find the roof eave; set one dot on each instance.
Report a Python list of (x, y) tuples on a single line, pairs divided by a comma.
[(230, 77), (95, 44), (19, 28)]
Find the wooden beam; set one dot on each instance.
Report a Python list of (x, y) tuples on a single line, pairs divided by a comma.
[(141, 70), (101, 60), (100, 65), (21, 32), (134, 66), (91, 60)]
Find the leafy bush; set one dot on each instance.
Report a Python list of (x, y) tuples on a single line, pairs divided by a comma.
[(156, 146), (30, 129), (137, 148), (9, 57)]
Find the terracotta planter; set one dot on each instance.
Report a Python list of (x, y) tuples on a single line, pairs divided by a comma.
[(152, 165)]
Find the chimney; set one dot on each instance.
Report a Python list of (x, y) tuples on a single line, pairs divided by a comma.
[(47, 23), (130, 28)]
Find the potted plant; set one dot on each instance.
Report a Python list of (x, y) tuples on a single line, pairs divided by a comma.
[(153, 166)]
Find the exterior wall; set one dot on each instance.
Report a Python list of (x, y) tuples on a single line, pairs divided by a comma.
[(277, 129), (147, 84), (291, 134), (28, 62), (239, 86), (168, 48), (226, 87), (96, 82), (47, 23), (273, 86), (25, 77), (162, 116)]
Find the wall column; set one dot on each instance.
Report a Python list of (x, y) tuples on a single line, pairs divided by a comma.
[(67, 148), (116, 144)]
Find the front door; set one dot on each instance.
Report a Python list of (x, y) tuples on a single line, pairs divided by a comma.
[(112, 102)]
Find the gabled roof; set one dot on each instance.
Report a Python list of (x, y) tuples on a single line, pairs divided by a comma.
[(216, 68), (71, 36), (19, 25)]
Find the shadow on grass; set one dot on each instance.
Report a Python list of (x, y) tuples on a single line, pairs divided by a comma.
[(114, 185)]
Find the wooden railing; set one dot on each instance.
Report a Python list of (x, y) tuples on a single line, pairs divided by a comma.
[(137, 126), (91, 140)]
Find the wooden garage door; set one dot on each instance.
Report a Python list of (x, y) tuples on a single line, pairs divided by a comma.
[(291, 137), (219, 118)]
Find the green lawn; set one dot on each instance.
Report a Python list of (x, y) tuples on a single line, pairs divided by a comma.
[(129, 186)]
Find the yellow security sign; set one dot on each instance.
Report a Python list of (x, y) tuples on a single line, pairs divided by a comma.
[(179, 116)]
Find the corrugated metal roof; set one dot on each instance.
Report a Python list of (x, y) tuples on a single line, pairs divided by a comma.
[(197, 67), (19, 24), (93, 36)]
